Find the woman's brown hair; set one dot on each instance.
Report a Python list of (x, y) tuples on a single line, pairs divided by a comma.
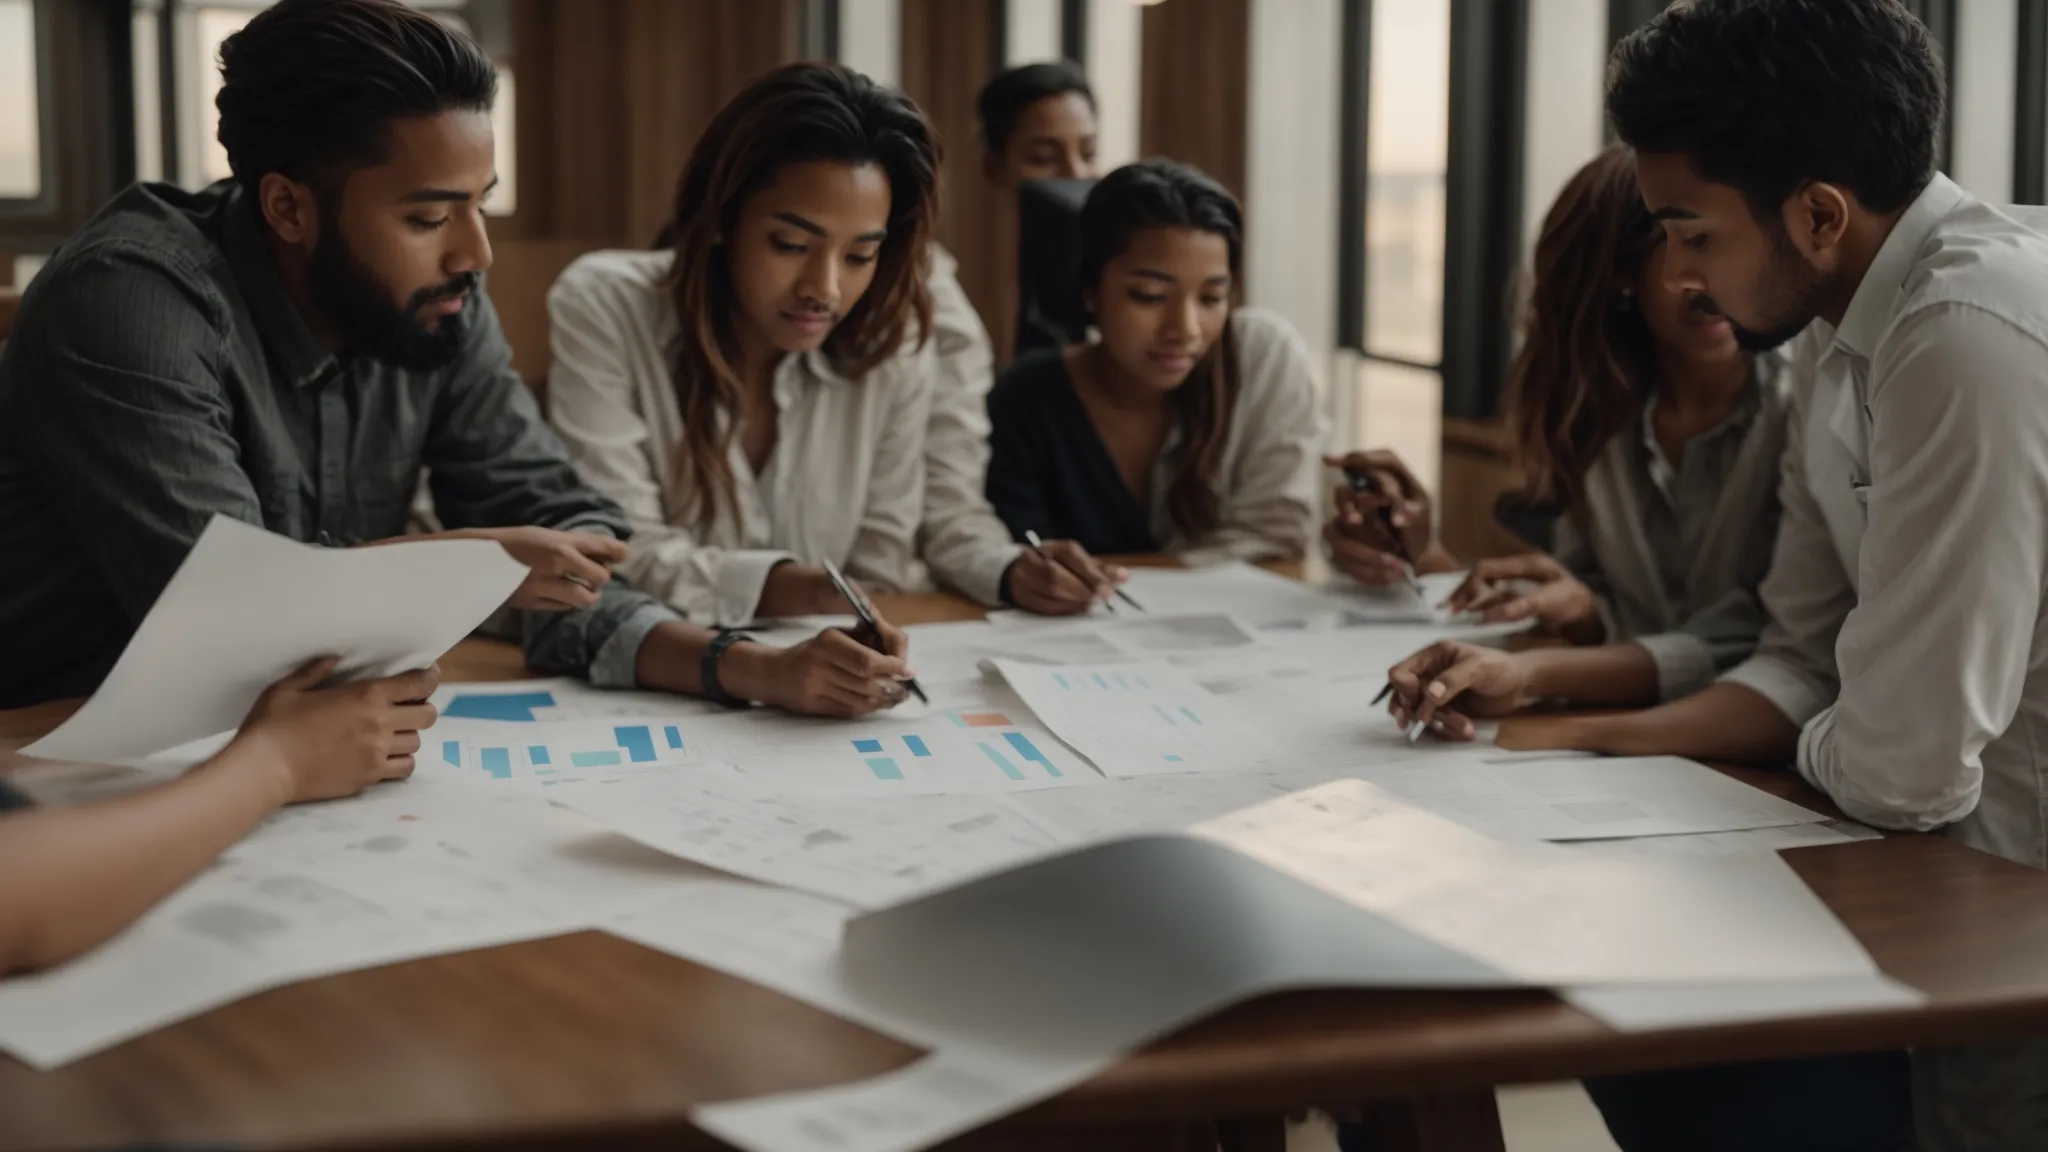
[(796, 114), (1586, 359), (1165, 194)]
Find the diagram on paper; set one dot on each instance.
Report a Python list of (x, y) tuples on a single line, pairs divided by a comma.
[(1140, 719)]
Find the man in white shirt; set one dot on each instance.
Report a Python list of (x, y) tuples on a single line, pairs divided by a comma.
[(1788, 147)]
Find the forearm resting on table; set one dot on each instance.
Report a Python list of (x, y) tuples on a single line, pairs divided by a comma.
[(1611, 675), (1725, 722), (72, 877), (671, 660)]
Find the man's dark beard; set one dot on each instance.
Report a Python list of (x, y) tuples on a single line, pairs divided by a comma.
[(359, 307), (1791, 296)]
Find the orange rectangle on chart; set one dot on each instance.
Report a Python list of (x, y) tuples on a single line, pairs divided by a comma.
[(983, 720)]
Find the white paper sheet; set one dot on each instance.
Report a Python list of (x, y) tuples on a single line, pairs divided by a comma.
[(248, 607), (973, 738), (1548, 916), (1587, 799), (1140, 719), (1653, 1007), (406, 870), (1253, 595), (863, 850), (559, 698), (1733, 843)]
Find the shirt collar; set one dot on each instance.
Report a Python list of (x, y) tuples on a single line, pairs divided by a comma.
[(1739, 418), (1876, 300), (291, 342)]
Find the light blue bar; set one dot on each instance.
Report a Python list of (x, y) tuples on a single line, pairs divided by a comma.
[(675, 737), (451, 751), (1173, 758), (885, 768), (1190, 714), (1060, 680), (498, 762), (867, 745), (538, 753), (1029, 751), (1100, 682), (637, 741), (916, 746), (594, 759), (1001, 761), (1164, 714)]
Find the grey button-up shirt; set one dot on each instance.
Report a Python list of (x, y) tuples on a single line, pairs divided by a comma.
[(159, 374), (1674, 555)]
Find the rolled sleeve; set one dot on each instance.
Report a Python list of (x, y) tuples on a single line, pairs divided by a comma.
[(1799, 695), (1935, 654), (736, 590), (600, 643), (1685, 662), (617, 662)]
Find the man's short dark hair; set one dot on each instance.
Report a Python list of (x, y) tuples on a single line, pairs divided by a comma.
[(1766, 95), (309, 88), (1003, 100)]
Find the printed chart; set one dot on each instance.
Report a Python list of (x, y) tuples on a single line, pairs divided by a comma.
[(975, 750), (541, 701), (1140, 719)]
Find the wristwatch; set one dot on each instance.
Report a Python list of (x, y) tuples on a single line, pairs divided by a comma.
[(708, 669)]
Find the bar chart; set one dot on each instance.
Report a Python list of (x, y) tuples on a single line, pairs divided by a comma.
[(559, 752)]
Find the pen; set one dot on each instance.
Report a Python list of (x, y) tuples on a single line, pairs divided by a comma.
[(1414, 730), (1038, 546), (1361, 482), (867, 619)]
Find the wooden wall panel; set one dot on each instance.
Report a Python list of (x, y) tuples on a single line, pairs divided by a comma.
[(949, 52), (613, 95), (1195, 86)]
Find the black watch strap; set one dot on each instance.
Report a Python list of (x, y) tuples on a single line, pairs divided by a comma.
[(708, 669)]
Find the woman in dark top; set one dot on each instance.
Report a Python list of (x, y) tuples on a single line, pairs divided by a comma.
[(1191, 426)]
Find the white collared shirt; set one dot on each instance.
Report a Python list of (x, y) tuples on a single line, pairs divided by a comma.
[(1906, 630), (846, 480)]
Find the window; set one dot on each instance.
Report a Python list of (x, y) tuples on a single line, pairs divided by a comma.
[(21, 137), (1407, 151), (1430, 211)]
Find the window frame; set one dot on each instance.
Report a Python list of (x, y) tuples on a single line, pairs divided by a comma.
[(1482, 197), (2030, 112), (85, 112)]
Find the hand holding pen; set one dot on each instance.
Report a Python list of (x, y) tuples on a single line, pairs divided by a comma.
[(1382, 519), (1060, 578), (871, 629)]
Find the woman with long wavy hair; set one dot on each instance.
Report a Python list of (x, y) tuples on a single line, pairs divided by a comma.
[(1654, 439), (757, 395), (1191, 425)]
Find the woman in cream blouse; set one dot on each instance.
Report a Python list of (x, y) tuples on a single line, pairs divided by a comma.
[(757, 397)]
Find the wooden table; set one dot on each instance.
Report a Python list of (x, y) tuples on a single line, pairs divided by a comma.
[(586, 1039)]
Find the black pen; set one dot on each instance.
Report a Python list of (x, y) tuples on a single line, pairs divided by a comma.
[(1361, 482), (868, 623), (1038, 546)]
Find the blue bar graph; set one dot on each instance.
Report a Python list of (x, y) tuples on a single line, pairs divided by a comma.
[(1190, 714), (1001, 761), (1173, 758), (538, 753), (637, 741), (1029, 751), (885, 768), (916, 746), (498, 762), (504, 706), (675, 737), (594, 759), (867, 746), (451, 751)]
